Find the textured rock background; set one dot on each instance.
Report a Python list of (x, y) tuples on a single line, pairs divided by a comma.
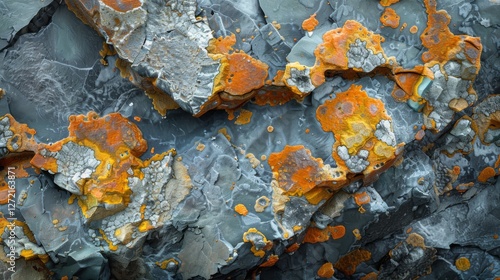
[(250, 139)]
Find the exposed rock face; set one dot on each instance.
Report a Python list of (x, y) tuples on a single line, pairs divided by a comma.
[(208, 139)]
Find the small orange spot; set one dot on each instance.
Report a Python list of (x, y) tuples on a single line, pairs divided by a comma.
[(495, 236), (361, 198), (337, 232), (462, 264), (486, 174), (326, 270), (137, 118), (387, 3), (241, 209), (294, 247), (200, 147), (408, 230), (307, 131), (413, 29), (244, 117), (419, 135), (310, 23), (456, 170), (152, 150), (390, 18), (270, 129)]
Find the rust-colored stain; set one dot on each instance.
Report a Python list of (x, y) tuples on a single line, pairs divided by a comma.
[(413, 29), (310, 23), (271, 261), (348, 263), (294, 247), (316, 235), (122, 6), (353, 116), (326, 270), (390, 18)]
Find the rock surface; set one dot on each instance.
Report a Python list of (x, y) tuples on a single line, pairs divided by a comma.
[(261, 139)]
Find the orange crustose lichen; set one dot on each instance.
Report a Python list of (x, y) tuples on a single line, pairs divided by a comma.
[(310, 23), (353, 117), (486, 174), (241, 209), (122, 6), (298, 173), (387, 3), (332, 53), (326, 270), (315, 235), (117, 144), (348, 263), (390, 18)]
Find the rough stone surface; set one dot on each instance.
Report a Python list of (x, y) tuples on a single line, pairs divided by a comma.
[(216, 139)]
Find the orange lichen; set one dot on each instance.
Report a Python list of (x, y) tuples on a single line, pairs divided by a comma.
[(315, 235), (298, 173), (413, 29), (390, 18), (117, 144), (353, 117), (362, 198), (244, 117), (122, 6), (270, 129), (222, 45), (462, 264), (271, 260), (145, 226), (461, 188), (419, 135), (348, 263), (240, 74), (486, 174), (241, 209), (326, 270), (23, 137), (387, 3), (441, 43), (331, 55), (224, 132), (408, 82), (310, 23), (261, 204), (247, 238), (163, 264), (415, 240), (294, 247), (200, 147), (161, 102)]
